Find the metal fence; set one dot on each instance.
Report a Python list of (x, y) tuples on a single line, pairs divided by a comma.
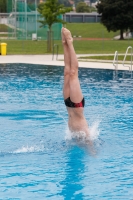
[(23, 21)]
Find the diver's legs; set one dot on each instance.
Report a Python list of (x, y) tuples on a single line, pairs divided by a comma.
[(75, 90), (66, 87)]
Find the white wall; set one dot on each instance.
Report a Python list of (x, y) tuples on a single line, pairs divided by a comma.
[(3, 20)]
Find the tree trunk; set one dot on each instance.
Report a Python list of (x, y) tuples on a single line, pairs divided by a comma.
[(121, 34), (49, 40)]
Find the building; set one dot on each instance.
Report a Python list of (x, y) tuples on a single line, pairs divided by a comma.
[(82, 17), (3, 18)]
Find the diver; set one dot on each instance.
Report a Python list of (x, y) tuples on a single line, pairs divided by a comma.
[(73, 97)]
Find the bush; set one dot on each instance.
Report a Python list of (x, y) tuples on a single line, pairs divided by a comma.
[(82, 7)]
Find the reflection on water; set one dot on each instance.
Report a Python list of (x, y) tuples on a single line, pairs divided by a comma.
[(72, 184), (125, 75)]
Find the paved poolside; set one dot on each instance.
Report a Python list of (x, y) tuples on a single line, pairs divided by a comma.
[(47, 60)]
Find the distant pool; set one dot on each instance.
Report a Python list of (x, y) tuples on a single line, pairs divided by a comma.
[(36, 162)]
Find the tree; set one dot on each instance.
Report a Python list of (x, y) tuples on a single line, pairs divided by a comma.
[(50, 11), (3, 6), (69, 3), (66, 3), (77, 1), (116, 15), (82, 7)]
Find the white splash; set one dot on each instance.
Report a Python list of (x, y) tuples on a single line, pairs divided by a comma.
[(93, 130), (29, 149)]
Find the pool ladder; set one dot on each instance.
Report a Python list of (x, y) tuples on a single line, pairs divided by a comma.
[(115, 61), (130, 67), (57, 50)]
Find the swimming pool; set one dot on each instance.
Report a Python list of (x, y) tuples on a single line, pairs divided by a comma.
[(37, 162)]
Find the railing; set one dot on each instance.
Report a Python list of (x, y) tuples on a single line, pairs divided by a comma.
[(57, 50), (130, 67), (115, 61)]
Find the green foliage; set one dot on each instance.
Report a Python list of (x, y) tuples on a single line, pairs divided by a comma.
[(50, 11), (82, 7), (77, 1), (40, 7), (2, 6), (93, 9), (69, 3), (116, 15), (66, 3)]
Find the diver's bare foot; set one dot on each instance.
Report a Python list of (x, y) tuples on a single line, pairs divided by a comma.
[(68, 36), (63, 37)]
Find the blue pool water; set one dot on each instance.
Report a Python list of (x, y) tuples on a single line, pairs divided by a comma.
[(37, 161)]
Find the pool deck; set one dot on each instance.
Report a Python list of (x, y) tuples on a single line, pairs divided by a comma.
[(47, 60)]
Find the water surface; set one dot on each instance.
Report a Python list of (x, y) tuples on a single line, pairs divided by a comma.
[(37, 162)]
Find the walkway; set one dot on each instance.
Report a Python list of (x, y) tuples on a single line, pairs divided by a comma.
[(47, 60)]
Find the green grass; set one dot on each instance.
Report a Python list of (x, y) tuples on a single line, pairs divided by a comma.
[(104, 57), (3, 28), (90, 30), (102, 47), (86, 30), (3, 35), (81, 46), (16, 47)]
